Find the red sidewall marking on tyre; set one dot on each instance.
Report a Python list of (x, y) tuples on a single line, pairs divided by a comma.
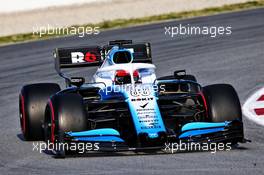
[(52, 122), (23, 114), (253, 108), (205, 103)]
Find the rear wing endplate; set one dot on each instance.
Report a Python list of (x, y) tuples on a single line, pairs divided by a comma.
[(77, 57)]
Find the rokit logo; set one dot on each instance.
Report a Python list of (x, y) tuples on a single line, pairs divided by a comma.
[(142, 99), (79, 57)]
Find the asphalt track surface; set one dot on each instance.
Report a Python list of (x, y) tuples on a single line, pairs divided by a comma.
[(237, 59)]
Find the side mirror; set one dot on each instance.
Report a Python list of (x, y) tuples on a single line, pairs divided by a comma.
[(178, 74), (77, 81)]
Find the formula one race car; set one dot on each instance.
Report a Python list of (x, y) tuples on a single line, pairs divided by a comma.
[(125, 107)]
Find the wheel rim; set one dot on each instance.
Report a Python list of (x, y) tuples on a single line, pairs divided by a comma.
[(47, 125)]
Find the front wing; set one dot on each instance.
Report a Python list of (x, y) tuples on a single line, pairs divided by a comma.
[(108, 139)]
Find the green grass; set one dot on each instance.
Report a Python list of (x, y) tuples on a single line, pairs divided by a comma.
[(118, 23)]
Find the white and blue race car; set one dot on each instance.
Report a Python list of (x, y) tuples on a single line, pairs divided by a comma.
[(125, 106)]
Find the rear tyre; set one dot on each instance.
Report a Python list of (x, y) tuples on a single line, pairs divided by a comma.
[(64, 113), (32, 103), (223, 103)]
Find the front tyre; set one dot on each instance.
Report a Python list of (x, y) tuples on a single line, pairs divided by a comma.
[(64, 113), (223, 103)]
